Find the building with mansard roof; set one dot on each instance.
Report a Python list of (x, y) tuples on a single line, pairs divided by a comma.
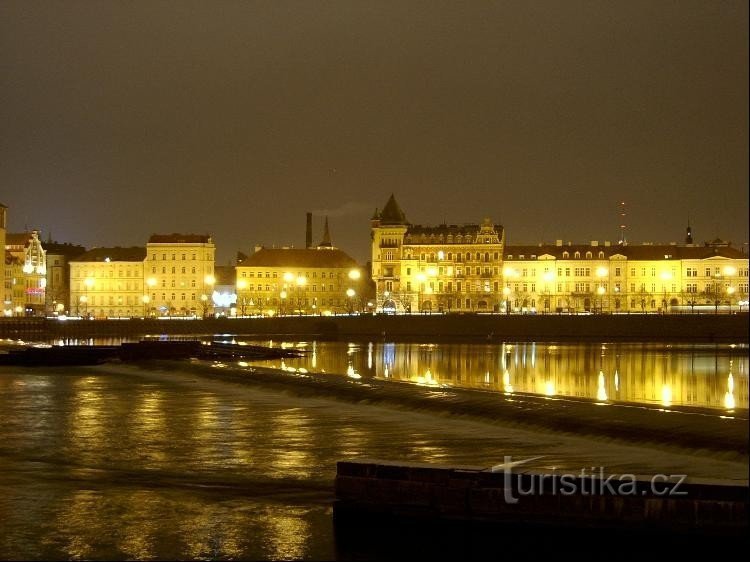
[(470, 267), (319, 279), (604, 277), (179, 272), (447, 267), (109, 283)]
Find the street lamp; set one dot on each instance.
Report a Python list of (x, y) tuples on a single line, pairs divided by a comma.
[(89, 284), (208, 280), (350, 295), (84, 301), (600, 291), (730, 292), (283, 296), (506, 293), (241, 286), (301, 282), (354, 274), (421, 278), (146, 299)]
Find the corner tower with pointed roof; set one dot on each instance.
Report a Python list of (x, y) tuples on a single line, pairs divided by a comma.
[(388, 228), (435, 268)]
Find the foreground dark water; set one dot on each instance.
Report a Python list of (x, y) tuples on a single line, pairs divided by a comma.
[(116, 462)]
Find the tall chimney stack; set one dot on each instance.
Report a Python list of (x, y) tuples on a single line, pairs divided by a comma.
[(308, 231)]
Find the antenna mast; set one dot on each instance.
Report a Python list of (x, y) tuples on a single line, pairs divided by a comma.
[(623, 239)]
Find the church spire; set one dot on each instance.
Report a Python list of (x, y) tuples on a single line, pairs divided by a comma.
[(326, 242), (688, 233)]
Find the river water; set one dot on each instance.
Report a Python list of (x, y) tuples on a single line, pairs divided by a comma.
[(117, 462), (701, 375)]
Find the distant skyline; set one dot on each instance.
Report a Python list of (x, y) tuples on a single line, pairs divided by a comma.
[(235, 118)]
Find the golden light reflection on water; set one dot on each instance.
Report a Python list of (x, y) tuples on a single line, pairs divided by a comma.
[(290, 430), (286, 533), (638, 373), (80, 525)]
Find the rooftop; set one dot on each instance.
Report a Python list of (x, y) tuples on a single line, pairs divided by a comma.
[(116, 254), (298, 258), (176, 238)]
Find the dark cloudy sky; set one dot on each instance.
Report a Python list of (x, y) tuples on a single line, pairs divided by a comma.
[(119, 119)]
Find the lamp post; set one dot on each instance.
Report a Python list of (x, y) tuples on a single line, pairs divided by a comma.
[(208, 281), (146, 299), (506, 293), (282, 297), (549, 277), (89, 284), (301, 282), (350, 293), (421, 278), (730, 292), (84, 301), (600, 291), (601, 273), (241, 286)]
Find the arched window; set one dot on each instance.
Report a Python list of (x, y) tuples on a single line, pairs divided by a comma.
[(566, 255), (601, 255), (577, 255), (589, 255)]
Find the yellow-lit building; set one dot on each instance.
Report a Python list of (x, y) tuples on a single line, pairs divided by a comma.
[(602, 277), (57, 291), (317, 280), (179, 274), (435, 268), (4, 285), (26, 271), (108, 282)]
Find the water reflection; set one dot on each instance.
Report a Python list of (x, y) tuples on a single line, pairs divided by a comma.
[(657, 374)]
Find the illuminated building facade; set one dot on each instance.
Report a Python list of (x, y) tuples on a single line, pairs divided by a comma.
[(435, 268), (57, 292), (108, 283), (180, 274), (4, 283), (316, 280), (610, 278), (26, 270)]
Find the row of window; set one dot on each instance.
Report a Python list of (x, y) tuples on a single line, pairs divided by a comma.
[(105, 272), (275, 287), (194, 256), (450, 256), (307, 274), (445, 239), (183, 270)]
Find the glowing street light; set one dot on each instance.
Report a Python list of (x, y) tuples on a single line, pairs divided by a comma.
[(354, 274), (506, 293), (730, 292)]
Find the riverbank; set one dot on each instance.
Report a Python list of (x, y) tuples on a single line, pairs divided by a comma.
[(435, 327)]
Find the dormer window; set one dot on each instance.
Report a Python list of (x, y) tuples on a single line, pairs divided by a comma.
[(577, 255), (566, 255)]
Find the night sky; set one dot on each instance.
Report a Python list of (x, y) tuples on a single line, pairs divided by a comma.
[(120, 119)]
